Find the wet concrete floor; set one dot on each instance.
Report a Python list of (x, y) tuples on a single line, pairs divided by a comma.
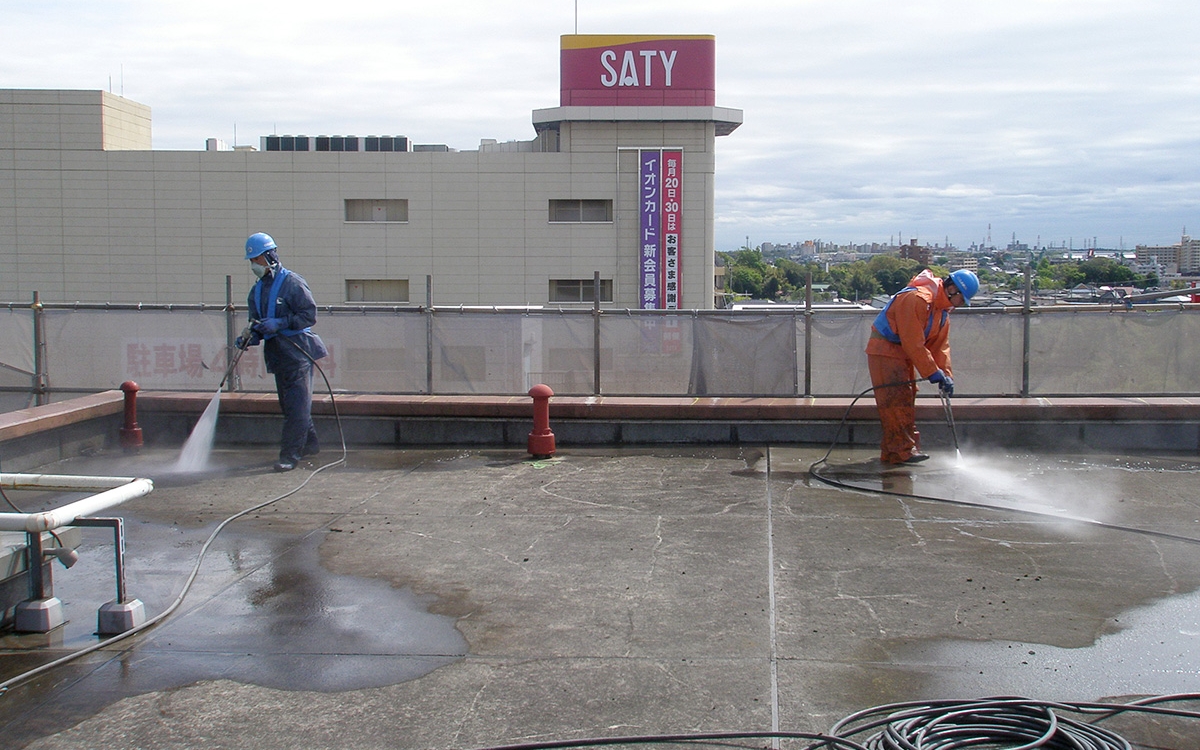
[(474, 598)]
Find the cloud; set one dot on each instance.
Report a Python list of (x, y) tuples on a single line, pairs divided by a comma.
[(863, 118)]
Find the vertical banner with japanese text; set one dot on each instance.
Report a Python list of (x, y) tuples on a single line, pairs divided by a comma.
[(671, 218), (649, 228), (660, 227)]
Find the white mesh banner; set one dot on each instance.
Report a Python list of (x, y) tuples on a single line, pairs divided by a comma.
[(1086, 351), (647, 354), (377, 353), (1122, 352), (16, 348), (839, 362), (90, 349), (744, 356), (985, 352)]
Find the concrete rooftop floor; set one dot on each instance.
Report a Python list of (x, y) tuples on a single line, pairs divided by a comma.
[(471, 598)]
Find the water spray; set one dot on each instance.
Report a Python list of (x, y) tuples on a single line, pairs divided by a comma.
[(198, 446)]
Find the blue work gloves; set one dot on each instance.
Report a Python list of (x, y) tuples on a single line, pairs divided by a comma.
[(247, 340), (268, 326), (943, 381)]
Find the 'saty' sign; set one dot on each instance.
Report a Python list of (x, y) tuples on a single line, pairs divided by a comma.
[(640, 71)]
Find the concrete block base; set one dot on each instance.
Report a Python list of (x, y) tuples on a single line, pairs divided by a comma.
[(115, 617), (38, 615)]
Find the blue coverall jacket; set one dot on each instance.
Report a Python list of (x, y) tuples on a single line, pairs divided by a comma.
[(290, 354)]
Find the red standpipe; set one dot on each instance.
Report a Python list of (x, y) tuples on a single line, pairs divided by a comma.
[(131, 434), (541, 440)]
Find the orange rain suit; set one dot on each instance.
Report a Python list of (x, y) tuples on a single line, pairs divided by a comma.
[(919, 315)]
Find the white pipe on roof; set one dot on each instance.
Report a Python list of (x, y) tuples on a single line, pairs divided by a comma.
[(113, 492), (61, 482)]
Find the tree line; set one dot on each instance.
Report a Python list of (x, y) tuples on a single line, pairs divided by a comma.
[(749, 275)]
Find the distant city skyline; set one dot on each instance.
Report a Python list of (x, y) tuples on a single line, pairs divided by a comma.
[(864, 119), (1069, 244)]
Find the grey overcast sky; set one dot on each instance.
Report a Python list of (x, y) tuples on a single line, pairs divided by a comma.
[(1061, 121)]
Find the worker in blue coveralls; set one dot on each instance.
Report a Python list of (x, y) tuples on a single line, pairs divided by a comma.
[(282, 311)]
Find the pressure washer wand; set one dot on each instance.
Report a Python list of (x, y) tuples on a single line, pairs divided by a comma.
[(245, 337), (950, 421)]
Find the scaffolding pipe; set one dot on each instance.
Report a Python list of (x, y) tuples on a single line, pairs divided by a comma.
[(112, 492), (596, 333), (41, 378), (231, 352), (1027, 317)]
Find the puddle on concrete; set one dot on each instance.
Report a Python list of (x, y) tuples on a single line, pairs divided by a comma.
[(1157, 652), (289, 624), (263, 612), (275, 606)]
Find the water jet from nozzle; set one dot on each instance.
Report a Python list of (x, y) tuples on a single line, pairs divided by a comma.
[(197, 449)]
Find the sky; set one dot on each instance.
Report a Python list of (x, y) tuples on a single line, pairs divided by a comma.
[(1070, 123)]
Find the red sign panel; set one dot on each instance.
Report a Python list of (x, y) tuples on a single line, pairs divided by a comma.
[(598, 70)]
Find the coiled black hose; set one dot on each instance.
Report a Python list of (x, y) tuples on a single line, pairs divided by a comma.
[(1000, 723), (1013, 723)]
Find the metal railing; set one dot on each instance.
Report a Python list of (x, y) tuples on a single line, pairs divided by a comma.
[(53, 349)]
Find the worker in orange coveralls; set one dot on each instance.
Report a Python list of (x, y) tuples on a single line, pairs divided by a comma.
[(913, 332)]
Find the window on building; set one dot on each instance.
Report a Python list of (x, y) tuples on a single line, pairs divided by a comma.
[(576, 211), (580, 290), (377, 290), (367, 209)]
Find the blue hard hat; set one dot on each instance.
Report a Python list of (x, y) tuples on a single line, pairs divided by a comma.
[(257, 244), (966, 282)]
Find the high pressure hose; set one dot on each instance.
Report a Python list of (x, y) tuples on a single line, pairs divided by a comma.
[(49, 666), (846, 416)]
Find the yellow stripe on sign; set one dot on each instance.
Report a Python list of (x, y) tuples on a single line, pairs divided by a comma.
[(588, 41)]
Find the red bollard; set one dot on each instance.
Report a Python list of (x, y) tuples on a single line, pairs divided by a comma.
[(541, 440), (131, 434)]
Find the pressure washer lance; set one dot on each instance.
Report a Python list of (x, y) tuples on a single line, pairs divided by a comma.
[(950, 424), (245, 339)]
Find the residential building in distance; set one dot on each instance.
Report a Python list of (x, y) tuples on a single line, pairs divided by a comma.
[(1182, 258), (919, 253)]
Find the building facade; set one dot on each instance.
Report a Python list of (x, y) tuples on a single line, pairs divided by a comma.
[(1183, 258), (617, 180)]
